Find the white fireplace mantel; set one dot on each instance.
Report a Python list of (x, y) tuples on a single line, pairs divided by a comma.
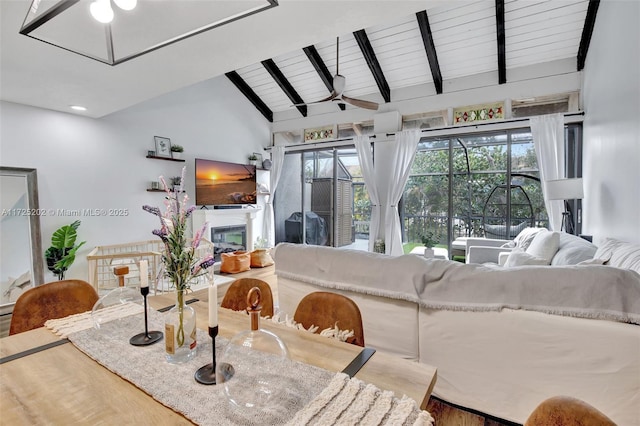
[(226, 217)]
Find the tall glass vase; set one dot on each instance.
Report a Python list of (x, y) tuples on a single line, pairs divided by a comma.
[(180, 331)]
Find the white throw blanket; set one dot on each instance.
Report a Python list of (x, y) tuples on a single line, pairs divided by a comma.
[(586, 291)]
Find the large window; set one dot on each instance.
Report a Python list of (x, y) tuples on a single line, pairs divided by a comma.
[(480, 185)]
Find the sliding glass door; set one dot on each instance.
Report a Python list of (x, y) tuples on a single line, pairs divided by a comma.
[(323, 200), (481, 185)]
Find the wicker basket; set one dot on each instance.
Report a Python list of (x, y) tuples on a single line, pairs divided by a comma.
[(238, 261)]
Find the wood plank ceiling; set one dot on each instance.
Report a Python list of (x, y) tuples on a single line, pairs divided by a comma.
[(459, 39)]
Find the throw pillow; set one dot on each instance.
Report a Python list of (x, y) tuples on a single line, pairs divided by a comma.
[(520, 258), (626, 256), (606, 249), (593, 262), (544, 245), (524, 238)]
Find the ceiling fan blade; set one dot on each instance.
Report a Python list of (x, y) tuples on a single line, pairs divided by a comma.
[(360, 103), (331, 97)]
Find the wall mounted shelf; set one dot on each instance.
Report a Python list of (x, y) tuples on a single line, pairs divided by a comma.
[(165, 158), (160, 190)]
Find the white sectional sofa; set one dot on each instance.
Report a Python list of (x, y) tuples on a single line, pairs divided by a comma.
[(571, 249), (502, 339)]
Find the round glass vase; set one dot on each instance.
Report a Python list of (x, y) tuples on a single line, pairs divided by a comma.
[(248, 369), (180, 331)]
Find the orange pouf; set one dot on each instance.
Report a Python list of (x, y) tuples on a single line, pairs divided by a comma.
[(238, 261)]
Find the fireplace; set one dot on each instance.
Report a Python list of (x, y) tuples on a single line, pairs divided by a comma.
[(228, 239), (233, 221)]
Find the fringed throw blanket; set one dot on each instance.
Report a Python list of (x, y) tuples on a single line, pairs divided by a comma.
[(589, 291)]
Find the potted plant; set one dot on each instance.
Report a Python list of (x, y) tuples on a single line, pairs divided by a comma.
[(175, 183), (253, 159), (176, 151), (62, 252), (430, 239)]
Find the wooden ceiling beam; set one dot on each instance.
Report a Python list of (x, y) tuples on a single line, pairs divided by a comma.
[(321, 68), (250, 94), (587, 30), (501, 39), (284, 84), (372, 62), (430, 49)]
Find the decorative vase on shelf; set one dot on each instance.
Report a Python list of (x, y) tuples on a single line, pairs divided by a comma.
[(176, 155), (180, 331)]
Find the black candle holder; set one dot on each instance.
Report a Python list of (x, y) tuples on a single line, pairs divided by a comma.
[(206, 374), (148, 337)]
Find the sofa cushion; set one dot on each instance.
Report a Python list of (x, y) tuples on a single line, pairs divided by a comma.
[(520, 258), (573, 250), (524, 238), (621, 254), (544, 245), (500, 231), (594, 261)]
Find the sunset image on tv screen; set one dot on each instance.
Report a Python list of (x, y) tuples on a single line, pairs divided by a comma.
[(220, 183)]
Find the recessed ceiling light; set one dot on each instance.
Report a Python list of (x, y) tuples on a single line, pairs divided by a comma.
[(78, 108)]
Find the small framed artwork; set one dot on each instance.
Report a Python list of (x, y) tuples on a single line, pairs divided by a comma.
[(321, 134), (163, 146)]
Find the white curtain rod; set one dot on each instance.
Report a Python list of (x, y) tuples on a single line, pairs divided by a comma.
[(569, 118)]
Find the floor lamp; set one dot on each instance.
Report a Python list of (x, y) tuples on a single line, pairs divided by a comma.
[(565, 189)]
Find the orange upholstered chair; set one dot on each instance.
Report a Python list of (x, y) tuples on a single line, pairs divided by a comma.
[(325, 310), (49, 301), (236, 296), (567, 411)]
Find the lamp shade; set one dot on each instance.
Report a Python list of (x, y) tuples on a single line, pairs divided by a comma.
[(564, 189)]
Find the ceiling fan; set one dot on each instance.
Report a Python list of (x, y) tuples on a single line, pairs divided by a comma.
[(339, 83)]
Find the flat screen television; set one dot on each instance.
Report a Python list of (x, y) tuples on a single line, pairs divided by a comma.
[(219, 183)]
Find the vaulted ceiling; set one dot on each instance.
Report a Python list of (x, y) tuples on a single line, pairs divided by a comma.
[(449, 41), (384, 46)]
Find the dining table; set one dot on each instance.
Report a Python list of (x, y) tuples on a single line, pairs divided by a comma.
[(45, 379)]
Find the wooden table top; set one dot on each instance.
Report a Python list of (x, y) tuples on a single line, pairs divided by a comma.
[(61, 385)]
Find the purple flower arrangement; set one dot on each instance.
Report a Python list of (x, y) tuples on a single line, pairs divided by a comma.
[(181, 264)]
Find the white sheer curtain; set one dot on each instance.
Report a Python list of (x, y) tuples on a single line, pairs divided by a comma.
[(277, 162), (548, 139), (365, 156), (404, 151)]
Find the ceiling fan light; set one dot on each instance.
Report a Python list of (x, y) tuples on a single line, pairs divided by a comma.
[(126, 4), (101, 11), (339, 83)]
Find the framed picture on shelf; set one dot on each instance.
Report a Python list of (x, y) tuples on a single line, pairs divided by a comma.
[(163, 146)]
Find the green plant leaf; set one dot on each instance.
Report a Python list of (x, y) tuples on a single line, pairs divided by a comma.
[(65, 237), (67, 260)]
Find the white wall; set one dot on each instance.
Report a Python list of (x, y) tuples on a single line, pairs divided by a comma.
[(85, 163), (611, 98)]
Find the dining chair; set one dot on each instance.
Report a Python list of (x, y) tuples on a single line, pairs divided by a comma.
[(50, 301), (566, 411), (236, 296), (328, 310)]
